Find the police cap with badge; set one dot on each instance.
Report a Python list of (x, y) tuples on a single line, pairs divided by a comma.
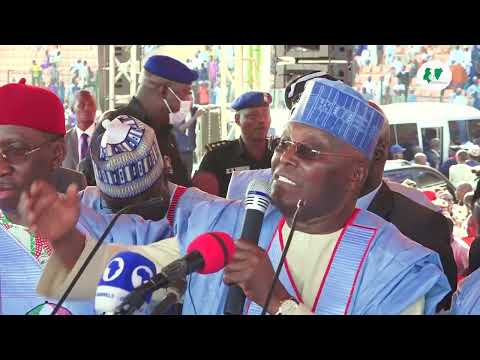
[(250, 99)]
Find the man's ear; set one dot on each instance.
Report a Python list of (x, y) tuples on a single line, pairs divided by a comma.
[(381, 151), (359, 174), (237, 118)]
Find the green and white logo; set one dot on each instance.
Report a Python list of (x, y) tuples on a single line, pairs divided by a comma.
[(434, 75)]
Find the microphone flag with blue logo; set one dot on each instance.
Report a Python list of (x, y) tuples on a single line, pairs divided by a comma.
[(125, 272)]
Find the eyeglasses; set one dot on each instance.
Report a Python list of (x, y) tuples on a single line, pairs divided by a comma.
[(16, 156), (303, 151)]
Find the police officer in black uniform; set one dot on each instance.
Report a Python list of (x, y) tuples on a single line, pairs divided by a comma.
[(164, 96), (250, 151)]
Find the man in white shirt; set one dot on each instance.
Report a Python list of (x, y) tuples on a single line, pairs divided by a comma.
[(78, 139), (461, 172)]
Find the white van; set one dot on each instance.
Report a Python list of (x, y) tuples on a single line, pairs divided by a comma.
[(416, 123)]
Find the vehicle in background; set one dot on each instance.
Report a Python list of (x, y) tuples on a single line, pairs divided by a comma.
[(425, 177), (416, 123)]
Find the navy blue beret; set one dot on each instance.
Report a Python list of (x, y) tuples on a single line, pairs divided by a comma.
[(251, 99), (170, 69)]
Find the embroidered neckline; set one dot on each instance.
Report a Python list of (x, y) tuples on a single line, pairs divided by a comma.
[(36, 244)]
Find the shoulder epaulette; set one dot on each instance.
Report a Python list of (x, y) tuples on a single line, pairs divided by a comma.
[(217, 145)]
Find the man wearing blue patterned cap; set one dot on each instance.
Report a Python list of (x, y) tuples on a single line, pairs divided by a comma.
[(342, 260), (163, 97), (250, 151)]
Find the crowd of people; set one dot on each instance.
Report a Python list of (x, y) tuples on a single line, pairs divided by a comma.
[(45, 73), (399, 65), (328, 197), (206, 63)]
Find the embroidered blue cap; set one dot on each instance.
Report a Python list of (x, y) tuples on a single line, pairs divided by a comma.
[(170, 69), (342, 112), (397, 149), (126, 157), (251, 99), (295, 88)]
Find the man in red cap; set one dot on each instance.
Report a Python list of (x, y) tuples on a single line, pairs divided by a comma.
[(32, 130)]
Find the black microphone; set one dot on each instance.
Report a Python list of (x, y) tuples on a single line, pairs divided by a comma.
[(207, 254), (257, 200), (157, 201)]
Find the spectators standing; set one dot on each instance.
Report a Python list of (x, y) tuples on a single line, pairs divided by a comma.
[(61, 91), (369, 88), (186, 136), (397, 152), (460, 97), (203, 73), (420, 159), (73, 89), (36, 71), (212, 71), (433, 154), (459, 76), (461, 172), (474, 156), (445, 167), (404, 79)]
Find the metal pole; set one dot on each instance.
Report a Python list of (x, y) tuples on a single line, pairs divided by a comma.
[(133, 69), (223, 90), (381, 90), (111, 77), (238, 70)]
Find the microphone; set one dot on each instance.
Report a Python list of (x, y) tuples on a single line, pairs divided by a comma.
[(157, 201), (174, 294), (256, 202), (126, 271), (207, 254)]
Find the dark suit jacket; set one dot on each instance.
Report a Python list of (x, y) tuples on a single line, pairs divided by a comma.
[(71, 143), (63, 177), (420, 224)]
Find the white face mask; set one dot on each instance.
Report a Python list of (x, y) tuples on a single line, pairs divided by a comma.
[(185, 105), (177, 118)]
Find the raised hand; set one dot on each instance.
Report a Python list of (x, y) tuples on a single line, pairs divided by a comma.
[(52, 214)]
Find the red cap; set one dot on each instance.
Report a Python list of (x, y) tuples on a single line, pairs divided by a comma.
[(31, 106), (216, 248)]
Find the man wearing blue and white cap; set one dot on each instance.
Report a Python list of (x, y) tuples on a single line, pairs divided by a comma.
[(250, 151), (129, 170), (397, 152), (341, 260), (163, 97)]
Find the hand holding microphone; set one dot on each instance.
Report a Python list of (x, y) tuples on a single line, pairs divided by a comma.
[(257, 200), (253, 272)]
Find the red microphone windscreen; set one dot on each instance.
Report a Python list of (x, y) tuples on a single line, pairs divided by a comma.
[(216, 248)]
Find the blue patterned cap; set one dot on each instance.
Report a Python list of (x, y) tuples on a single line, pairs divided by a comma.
[(342, 112), (251, 99), (126, 157), (170, 69)]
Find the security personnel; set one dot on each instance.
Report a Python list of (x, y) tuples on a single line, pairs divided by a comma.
[(164, 97), (250, 151)]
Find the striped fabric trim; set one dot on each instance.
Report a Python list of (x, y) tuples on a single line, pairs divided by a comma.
[(340, 280), (179, 191)]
